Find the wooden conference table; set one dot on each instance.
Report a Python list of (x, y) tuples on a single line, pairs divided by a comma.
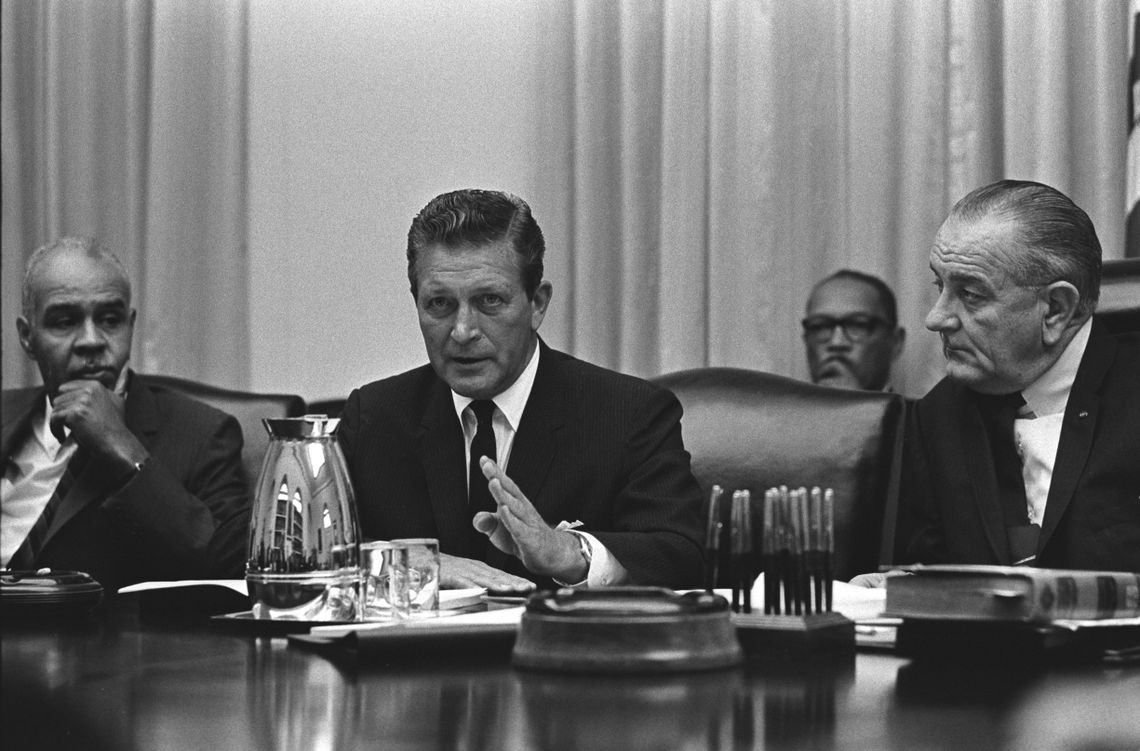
[(115, 680)]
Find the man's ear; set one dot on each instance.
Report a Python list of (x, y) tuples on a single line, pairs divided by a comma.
[(539, 302), (1062, 311), (24, 330)]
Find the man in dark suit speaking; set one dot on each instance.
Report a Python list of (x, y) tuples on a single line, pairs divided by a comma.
[(524, 462), (102, 473), (1028, 452)]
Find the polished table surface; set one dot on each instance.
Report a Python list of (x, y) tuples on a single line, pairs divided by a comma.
[(115, 680)]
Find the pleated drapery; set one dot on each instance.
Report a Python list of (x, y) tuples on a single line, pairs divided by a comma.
[(710, 161), (125, 120), (699, 164)]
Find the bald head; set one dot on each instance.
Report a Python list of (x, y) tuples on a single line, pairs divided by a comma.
[(85, 246), (77, 321)]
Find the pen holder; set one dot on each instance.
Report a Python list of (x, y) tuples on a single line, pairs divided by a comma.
[(780, 637)]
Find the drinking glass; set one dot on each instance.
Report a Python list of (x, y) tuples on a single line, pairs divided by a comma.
[(375, 570), (413, 577)]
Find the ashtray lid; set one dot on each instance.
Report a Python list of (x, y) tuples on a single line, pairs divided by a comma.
[(626, 629)]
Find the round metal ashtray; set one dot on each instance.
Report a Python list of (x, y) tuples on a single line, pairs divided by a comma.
[(626, 630)]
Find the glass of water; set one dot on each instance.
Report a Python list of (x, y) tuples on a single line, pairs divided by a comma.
[(413, 577), (375, 572)]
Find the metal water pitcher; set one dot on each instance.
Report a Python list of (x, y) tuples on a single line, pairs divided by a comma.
[(304, 537)]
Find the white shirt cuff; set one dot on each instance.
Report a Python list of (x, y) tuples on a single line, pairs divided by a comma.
[(605, 570)]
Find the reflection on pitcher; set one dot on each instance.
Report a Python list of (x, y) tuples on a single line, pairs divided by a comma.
[(304, 544)]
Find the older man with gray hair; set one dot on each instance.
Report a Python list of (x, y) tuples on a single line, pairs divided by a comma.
[(1028, 452), (102, 472)]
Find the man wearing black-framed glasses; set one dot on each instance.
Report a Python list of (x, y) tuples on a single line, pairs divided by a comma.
[(851, 332)]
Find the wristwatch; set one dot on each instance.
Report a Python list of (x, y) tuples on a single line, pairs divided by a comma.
[(585, 548), (587, 551)]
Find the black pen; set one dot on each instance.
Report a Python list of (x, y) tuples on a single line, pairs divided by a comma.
[(768, 553), (815, 516), (787, 567), (712, 538), (828, 541), (742, 549)]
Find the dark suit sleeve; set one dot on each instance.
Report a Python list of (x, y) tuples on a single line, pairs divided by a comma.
[(186, 513), (657, 511), (919, 537), (349, 426)]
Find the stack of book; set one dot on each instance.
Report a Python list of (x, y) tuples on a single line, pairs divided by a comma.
[(1018, 613)]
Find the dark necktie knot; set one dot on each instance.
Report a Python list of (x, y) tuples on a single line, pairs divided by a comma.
[(1003, 407), (483, 409)]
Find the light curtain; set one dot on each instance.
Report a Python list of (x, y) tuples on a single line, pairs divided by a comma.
[(706, 161), (125, 120), (710, 161)]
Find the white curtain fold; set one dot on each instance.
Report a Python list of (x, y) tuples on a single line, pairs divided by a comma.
[(726, 155), (125, 120), (698, 164)]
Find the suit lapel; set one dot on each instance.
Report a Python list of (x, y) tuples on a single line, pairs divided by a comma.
[(983, 479), (92, 485), (442, 449), (1077, 430), (536, 440)]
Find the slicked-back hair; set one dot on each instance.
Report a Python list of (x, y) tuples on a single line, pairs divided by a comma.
[(479, 217), (886, 295), (1058, 240), (89, 246)]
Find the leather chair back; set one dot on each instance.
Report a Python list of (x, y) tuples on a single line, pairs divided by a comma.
[(327, 407), (754, 430), (248, 409), (1119, 305)]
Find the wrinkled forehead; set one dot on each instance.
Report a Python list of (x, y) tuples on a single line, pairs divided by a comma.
[(70, 276), (987, 246), (843, 296), (469, 264)]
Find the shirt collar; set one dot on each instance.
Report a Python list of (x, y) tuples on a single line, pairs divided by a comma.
[(1049, 394), (511, 402), (41, 428)]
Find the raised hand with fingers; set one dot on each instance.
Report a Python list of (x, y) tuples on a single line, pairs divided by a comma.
[(518, 529)]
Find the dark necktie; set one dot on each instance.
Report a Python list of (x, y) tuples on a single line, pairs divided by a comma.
[(999, 413), (27, 554), (483, 444)]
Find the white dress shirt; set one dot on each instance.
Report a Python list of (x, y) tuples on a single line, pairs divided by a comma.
[(1037, 429), (32, 475), (29, 480), (605, 570)]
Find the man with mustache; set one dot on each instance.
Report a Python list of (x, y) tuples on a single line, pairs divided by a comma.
[(851, 332), (103, 473), (1028, 451), (527, 464)]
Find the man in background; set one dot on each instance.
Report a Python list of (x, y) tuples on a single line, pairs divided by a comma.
[(526, 463), (1028, 451), (851, 332), (102, 473)]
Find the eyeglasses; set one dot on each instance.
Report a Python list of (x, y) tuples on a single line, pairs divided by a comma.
[(857, 328)]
